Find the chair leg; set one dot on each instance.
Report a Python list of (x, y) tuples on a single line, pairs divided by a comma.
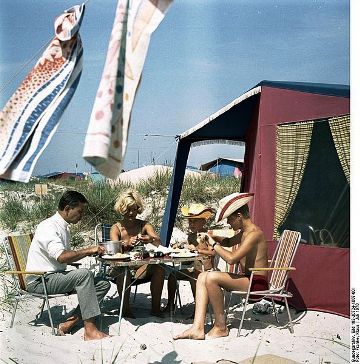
[(48, 305), (50, 316), (243, 316), (228, 306), (177, 297), (210, 314), (41, 311), (135, 293), (122, 298), (291, 327), (14, 312), (275, 311)]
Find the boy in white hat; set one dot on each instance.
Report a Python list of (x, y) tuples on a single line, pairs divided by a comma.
[(197, 215), (251, 253)]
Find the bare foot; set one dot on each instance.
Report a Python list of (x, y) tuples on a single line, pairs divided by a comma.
[(95, 335), (215, 332), (65, 327), (191, 333)]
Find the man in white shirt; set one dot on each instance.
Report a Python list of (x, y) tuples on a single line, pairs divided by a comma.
[(50, 251)]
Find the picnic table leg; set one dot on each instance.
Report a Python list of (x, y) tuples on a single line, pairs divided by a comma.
[(122, 297)]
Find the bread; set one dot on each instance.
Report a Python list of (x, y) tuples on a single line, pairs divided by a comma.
[(223, 233)]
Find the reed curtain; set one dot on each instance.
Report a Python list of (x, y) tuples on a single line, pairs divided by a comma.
[(292, 150), (340, 130)]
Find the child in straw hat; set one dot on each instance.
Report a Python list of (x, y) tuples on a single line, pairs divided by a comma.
[(197, 215)]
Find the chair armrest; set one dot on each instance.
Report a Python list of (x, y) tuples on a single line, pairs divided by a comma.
[(273, 268), (24, 272)]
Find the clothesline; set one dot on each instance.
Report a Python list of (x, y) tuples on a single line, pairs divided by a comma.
[(14, 76)]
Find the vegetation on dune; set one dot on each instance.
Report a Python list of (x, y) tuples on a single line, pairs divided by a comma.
[(21, 209)]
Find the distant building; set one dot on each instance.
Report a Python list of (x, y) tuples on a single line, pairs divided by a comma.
[(224, 167), (63, 176)]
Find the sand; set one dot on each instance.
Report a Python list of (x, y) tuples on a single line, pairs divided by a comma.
[(318, 338)]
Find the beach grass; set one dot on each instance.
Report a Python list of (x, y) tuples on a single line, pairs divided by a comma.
[(21, 209)]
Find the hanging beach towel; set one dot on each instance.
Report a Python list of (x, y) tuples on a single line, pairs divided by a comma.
[(31, 116), (106, 138)]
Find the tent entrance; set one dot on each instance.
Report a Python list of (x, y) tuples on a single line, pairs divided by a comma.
[(321, 208)]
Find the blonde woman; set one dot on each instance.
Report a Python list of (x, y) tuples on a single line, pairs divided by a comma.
[(129, 230)]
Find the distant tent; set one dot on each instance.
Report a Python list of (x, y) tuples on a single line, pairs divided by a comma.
[(96, 177), (224, 167), (297, 138)]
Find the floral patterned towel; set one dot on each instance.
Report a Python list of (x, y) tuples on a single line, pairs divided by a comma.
[(106, 139)]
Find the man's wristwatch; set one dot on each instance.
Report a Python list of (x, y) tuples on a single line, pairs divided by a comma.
[(214, 243)]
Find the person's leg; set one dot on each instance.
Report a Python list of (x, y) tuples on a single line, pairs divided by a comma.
[(102, 287), (196, 331), (120, 272), (171, 287), (157, 274), (81, 280), (215, 281)]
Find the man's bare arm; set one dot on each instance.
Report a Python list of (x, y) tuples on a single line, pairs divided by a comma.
[(234, 257), (227, 242)]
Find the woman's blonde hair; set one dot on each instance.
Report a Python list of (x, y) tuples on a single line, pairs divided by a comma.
[(128, 199)]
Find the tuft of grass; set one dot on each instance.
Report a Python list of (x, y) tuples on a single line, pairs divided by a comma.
[(12, 211), (158, 184), (22, 210)]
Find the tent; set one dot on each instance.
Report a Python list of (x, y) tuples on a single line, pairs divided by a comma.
[(296, 162), (224, 167)]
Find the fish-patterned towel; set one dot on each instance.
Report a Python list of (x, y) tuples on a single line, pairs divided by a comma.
[(106, 138), (31, 116)]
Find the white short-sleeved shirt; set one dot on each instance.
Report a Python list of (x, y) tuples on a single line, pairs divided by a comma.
[(52, 237)]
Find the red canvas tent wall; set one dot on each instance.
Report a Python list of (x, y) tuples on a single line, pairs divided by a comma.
[(252, 118)]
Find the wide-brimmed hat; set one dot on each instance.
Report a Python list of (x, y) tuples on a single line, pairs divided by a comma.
[(231, 203), (197, 211)]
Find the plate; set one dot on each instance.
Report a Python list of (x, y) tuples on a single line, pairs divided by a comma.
[(117, 256), (183, 255)]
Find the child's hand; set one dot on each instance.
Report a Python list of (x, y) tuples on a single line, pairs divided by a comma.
[(191, 247)]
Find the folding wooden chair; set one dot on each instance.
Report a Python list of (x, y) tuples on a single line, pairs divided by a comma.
[(16, 248), (280, 267)]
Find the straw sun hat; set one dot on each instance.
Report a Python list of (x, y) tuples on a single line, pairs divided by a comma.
[(197, 211), (231, 203)]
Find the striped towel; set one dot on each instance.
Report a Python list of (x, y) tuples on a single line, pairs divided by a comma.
[(31, 116), (106, 139)]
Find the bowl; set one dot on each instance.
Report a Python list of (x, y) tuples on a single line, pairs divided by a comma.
[(112, 247)]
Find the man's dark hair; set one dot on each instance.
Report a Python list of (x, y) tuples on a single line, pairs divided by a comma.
[(244, 210), (72, 199)]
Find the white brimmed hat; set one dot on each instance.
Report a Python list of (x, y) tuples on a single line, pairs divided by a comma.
[(197, 211), (231, 203)]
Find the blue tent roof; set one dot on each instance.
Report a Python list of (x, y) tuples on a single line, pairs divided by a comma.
[(315, 88)]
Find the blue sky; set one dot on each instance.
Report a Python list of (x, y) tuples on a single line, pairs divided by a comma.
[(204, 54)]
